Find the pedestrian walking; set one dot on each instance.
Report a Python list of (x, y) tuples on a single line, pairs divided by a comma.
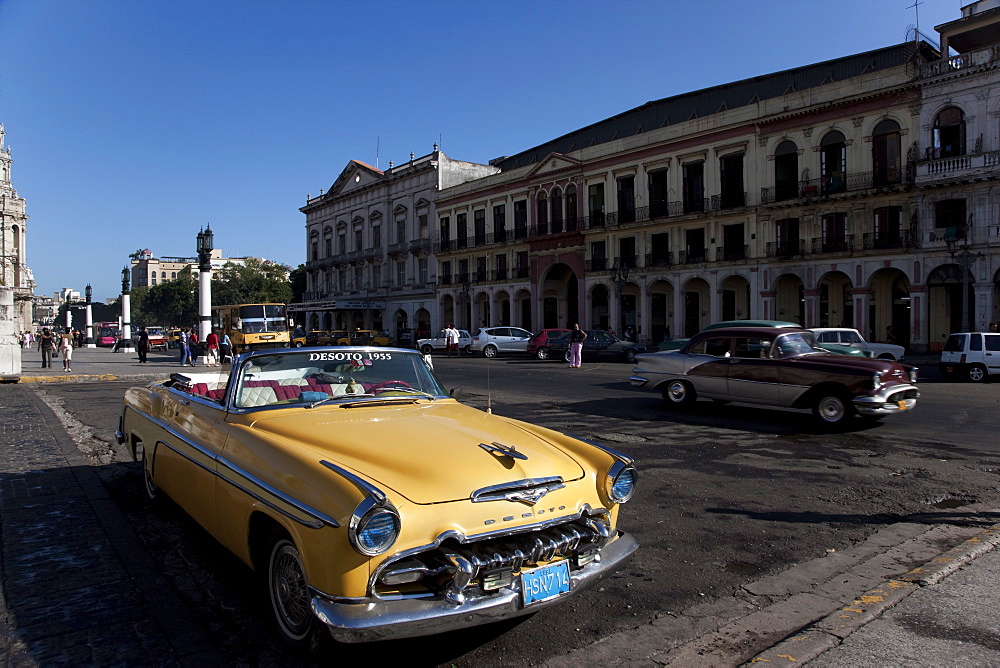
[(142, 344), (28, 340), (226, 349), (65, 350), (576, 338), (46, 344), (185, 346), (212, 348), (451, 338)]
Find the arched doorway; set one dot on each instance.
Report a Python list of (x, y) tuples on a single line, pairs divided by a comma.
[(523, 301), (661, 298), (836, 306), (399, 317), (600, 317), (559, 296), (735, 298), (423, 320), (628, 326), (944, 303), (447, 310), (789, 299), (696, 305), (501, 308), (889, 307), (483, 315)]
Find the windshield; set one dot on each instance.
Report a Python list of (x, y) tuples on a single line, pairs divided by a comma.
[(797, 343), (310, 377), (258, 318)]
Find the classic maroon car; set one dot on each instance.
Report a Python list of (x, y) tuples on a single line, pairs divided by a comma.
[(778, 367)]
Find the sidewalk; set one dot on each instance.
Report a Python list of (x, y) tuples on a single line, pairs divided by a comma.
[(95, 364), (78, 587)]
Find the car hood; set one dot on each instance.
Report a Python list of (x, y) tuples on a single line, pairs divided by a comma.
[(428, 452)]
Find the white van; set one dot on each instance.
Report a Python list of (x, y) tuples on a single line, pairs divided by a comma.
[(974, 356)]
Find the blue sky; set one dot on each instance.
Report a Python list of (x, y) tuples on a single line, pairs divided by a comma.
[(133, 123)]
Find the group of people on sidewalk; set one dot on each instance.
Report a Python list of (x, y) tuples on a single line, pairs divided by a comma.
[(217, 351)]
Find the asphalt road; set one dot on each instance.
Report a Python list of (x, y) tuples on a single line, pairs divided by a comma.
[(727, 495)]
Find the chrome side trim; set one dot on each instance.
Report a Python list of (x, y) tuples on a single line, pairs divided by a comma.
[(320, 519), (611, 451)]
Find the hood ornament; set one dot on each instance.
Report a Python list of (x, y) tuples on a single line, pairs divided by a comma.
[(503, 450)]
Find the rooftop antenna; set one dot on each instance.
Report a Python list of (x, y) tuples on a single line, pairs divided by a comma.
[(916, 12)]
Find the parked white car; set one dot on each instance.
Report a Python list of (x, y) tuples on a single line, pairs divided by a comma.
[(846, 336), (493, 340), (974, 356), (439, 342)]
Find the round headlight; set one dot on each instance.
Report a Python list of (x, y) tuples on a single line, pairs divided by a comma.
[(377, 531), (623, 484)]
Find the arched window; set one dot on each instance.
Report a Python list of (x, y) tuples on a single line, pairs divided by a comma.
[(948, 135), (557, 214), (542, 220), (786, 171), (886, 154), (833, 167)]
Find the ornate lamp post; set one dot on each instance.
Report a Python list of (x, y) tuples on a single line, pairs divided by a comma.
[(965, 260), (206, 241), (126, 340), (88, 342)]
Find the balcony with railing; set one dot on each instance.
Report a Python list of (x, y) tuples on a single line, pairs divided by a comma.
[(499, 274), (903, 239), (597, 264), (399, 248), (444, 279), (964, 63), (825, 186), (659, 259), (735, 253), (843, 244), (725, 201), (522, 272), (786, 250), (692, 256), (936, 168), (418, 246)]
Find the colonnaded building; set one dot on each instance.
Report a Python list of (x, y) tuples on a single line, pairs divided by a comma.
[(14, 271), (860, 192)]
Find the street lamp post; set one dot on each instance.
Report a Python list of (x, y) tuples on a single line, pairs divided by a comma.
[(206, 241), (88, 342), (965, 260), (126, 340), (620, 278)]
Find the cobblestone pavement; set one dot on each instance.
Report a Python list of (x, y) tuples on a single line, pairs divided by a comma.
[(77, 588)]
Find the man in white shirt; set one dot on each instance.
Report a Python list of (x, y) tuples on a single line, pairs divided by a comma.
[(451, 337)]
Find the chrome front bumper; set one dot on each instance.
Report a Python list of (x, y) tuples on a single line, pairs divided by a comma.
[(883, 403), (405, 618)]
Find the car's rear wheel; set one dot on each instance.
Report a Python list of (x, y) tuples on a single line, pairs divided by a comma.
[(630, 355), (426, 349), (152, 491), (542, 353), (490, 351), (298, 344), (288, 594), (678, 393), (976, 373), (467, 349), (832, 408)]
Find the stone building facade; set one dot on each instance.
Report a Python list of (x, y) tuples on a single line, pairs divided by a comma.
[(14, 271), (369, 251), (851, 192)]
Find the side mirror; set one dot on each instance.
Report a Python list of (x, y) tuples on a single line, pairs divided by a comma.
[(455, 392)]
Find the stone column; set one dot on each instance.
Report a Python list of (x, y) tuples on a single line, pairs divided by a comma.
[(10, 349)]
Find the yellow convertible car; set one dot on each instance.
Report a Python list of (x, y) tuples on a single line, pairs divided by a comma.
[(375, 504)]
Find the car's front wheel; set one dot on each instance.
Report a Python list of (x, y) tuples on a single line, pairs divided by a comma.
[(832, 408), (490, 351), (298, 344), (288, 594), (678, 393), (976, 373), (630, 355), (426, 349)]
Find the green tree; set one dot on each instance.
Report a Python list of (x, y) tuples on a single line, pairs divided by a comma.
[(255, 281), (172, 303), (298, 280)]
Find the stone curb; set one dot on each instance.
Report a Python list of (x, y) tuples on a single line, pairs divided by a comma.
[(829, 632)]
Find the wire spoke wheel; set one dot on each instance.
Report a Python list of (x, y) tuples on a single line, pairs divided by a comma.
[(289, 593)]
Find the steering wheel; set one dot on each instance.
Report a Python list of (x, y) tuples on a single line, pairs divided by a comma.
[(389, 384)]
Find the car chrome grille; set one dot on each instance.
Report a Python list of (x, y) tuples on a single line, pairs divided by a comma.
[(452, 567)]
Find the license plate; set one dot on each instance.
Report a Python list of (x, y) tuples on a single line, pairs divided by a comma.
[(542, 584)]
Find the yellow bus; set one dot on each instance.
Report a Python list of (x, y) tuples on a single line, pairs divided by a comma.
[(252, 326)]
